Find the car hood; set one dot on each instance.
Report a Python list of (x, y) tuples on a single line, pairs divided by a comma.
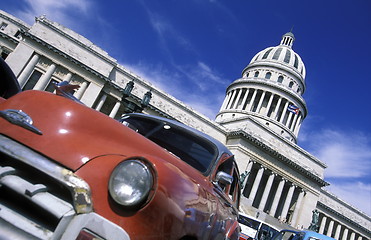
[(71, 133)]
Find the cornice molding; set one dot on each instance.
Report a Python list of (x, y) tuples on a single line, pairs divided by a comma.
[(277, 155), (250, 114), (59, 52), (12, 39), (352, 208), (343, 217), (14, 20), (50, 24)]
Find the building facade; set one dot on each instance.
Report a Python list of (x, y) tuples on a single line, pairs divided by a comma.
[(259, 120)]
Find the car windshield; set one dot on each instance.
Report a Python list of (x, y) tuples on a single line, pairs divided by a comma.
[(248, 222), (266, 232), (194, 150)]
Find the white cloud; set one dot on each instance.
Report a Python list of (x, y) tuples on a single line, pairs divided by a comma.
[(347, 154), (207, 80), (167, 33), (54, 10), (158, 75), (207, 73), (196, 83), (190, 85)]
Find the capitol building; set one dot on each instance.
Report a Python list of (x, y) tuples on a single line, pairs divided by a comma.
[(259, 120)]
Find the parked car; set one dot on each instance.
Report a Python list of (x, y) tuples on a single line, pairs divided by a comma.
[(300, 235), (253, 228), (70, 172)]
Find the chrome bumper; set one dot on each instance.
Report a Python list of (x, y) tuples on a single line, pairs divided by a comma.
[(42, 200)]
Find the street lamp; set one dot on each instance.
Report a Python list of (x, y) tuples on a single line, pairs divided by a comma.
[(128, 88), (146, 98)]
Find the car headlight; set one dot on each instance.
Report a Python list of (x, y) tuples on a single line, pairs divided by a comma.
[(130, 183)]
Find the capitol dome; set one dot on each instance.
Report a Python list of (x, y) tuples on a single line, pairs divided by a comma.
[(282, 55), (269, 91)]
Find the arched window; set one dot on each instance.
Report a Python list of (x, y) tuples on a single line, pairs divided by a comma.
[(247, 74), (287, 56), (280, 79), (268, 75), (296, 61), (277, 53), (291, 84), (267, 53), (256, 74)]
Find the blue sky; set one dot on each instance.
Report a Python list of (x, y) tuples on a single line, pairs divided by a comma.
[(193, 49)]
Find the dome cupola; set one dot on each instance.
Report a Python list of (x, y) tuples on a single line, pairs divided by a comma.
[(288, 39), (270, 90), (282, 55)]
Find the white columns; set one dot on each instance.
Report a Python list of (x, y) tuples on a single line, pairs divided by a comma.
[(284, 110), (296, 129), (288, 119), (252, 100), (225, 101), (244, 98), (255, 186), (115, 109), (81, 90), (28, 70), (237, 98), (248, 170), (345, 234), (267, 189), (294, 122), (322, 226), (260, 102), (337, 232), (231, 100), (297, 208), (249, 166), (68, 77), (277, 197), (44, 80), (330, 227), (269, 104), (288, 199), (101, 102), (352, 236), (275, 113)]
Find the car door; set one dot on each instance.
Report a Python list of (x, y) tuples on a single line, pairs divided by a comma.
[(228, 196)]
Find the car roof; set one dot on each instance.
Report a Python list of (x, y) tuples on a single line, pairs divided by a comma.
[(317, 235), (256, 219), (309, 233), (220, 146)]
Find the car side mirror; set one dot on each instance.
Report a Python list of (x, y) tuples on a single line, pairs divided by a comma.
[(223, 178)]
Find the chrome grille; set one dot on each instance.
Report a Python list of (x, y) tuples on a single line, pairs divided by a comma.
[(36, 193)]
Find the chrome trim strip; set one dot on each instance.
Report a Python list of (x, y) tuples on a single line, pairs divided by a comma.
[(19, 118), (78, 188)]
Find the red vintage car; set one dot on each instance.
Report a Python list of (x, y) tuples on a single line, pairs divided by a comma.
[(70, 172)]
